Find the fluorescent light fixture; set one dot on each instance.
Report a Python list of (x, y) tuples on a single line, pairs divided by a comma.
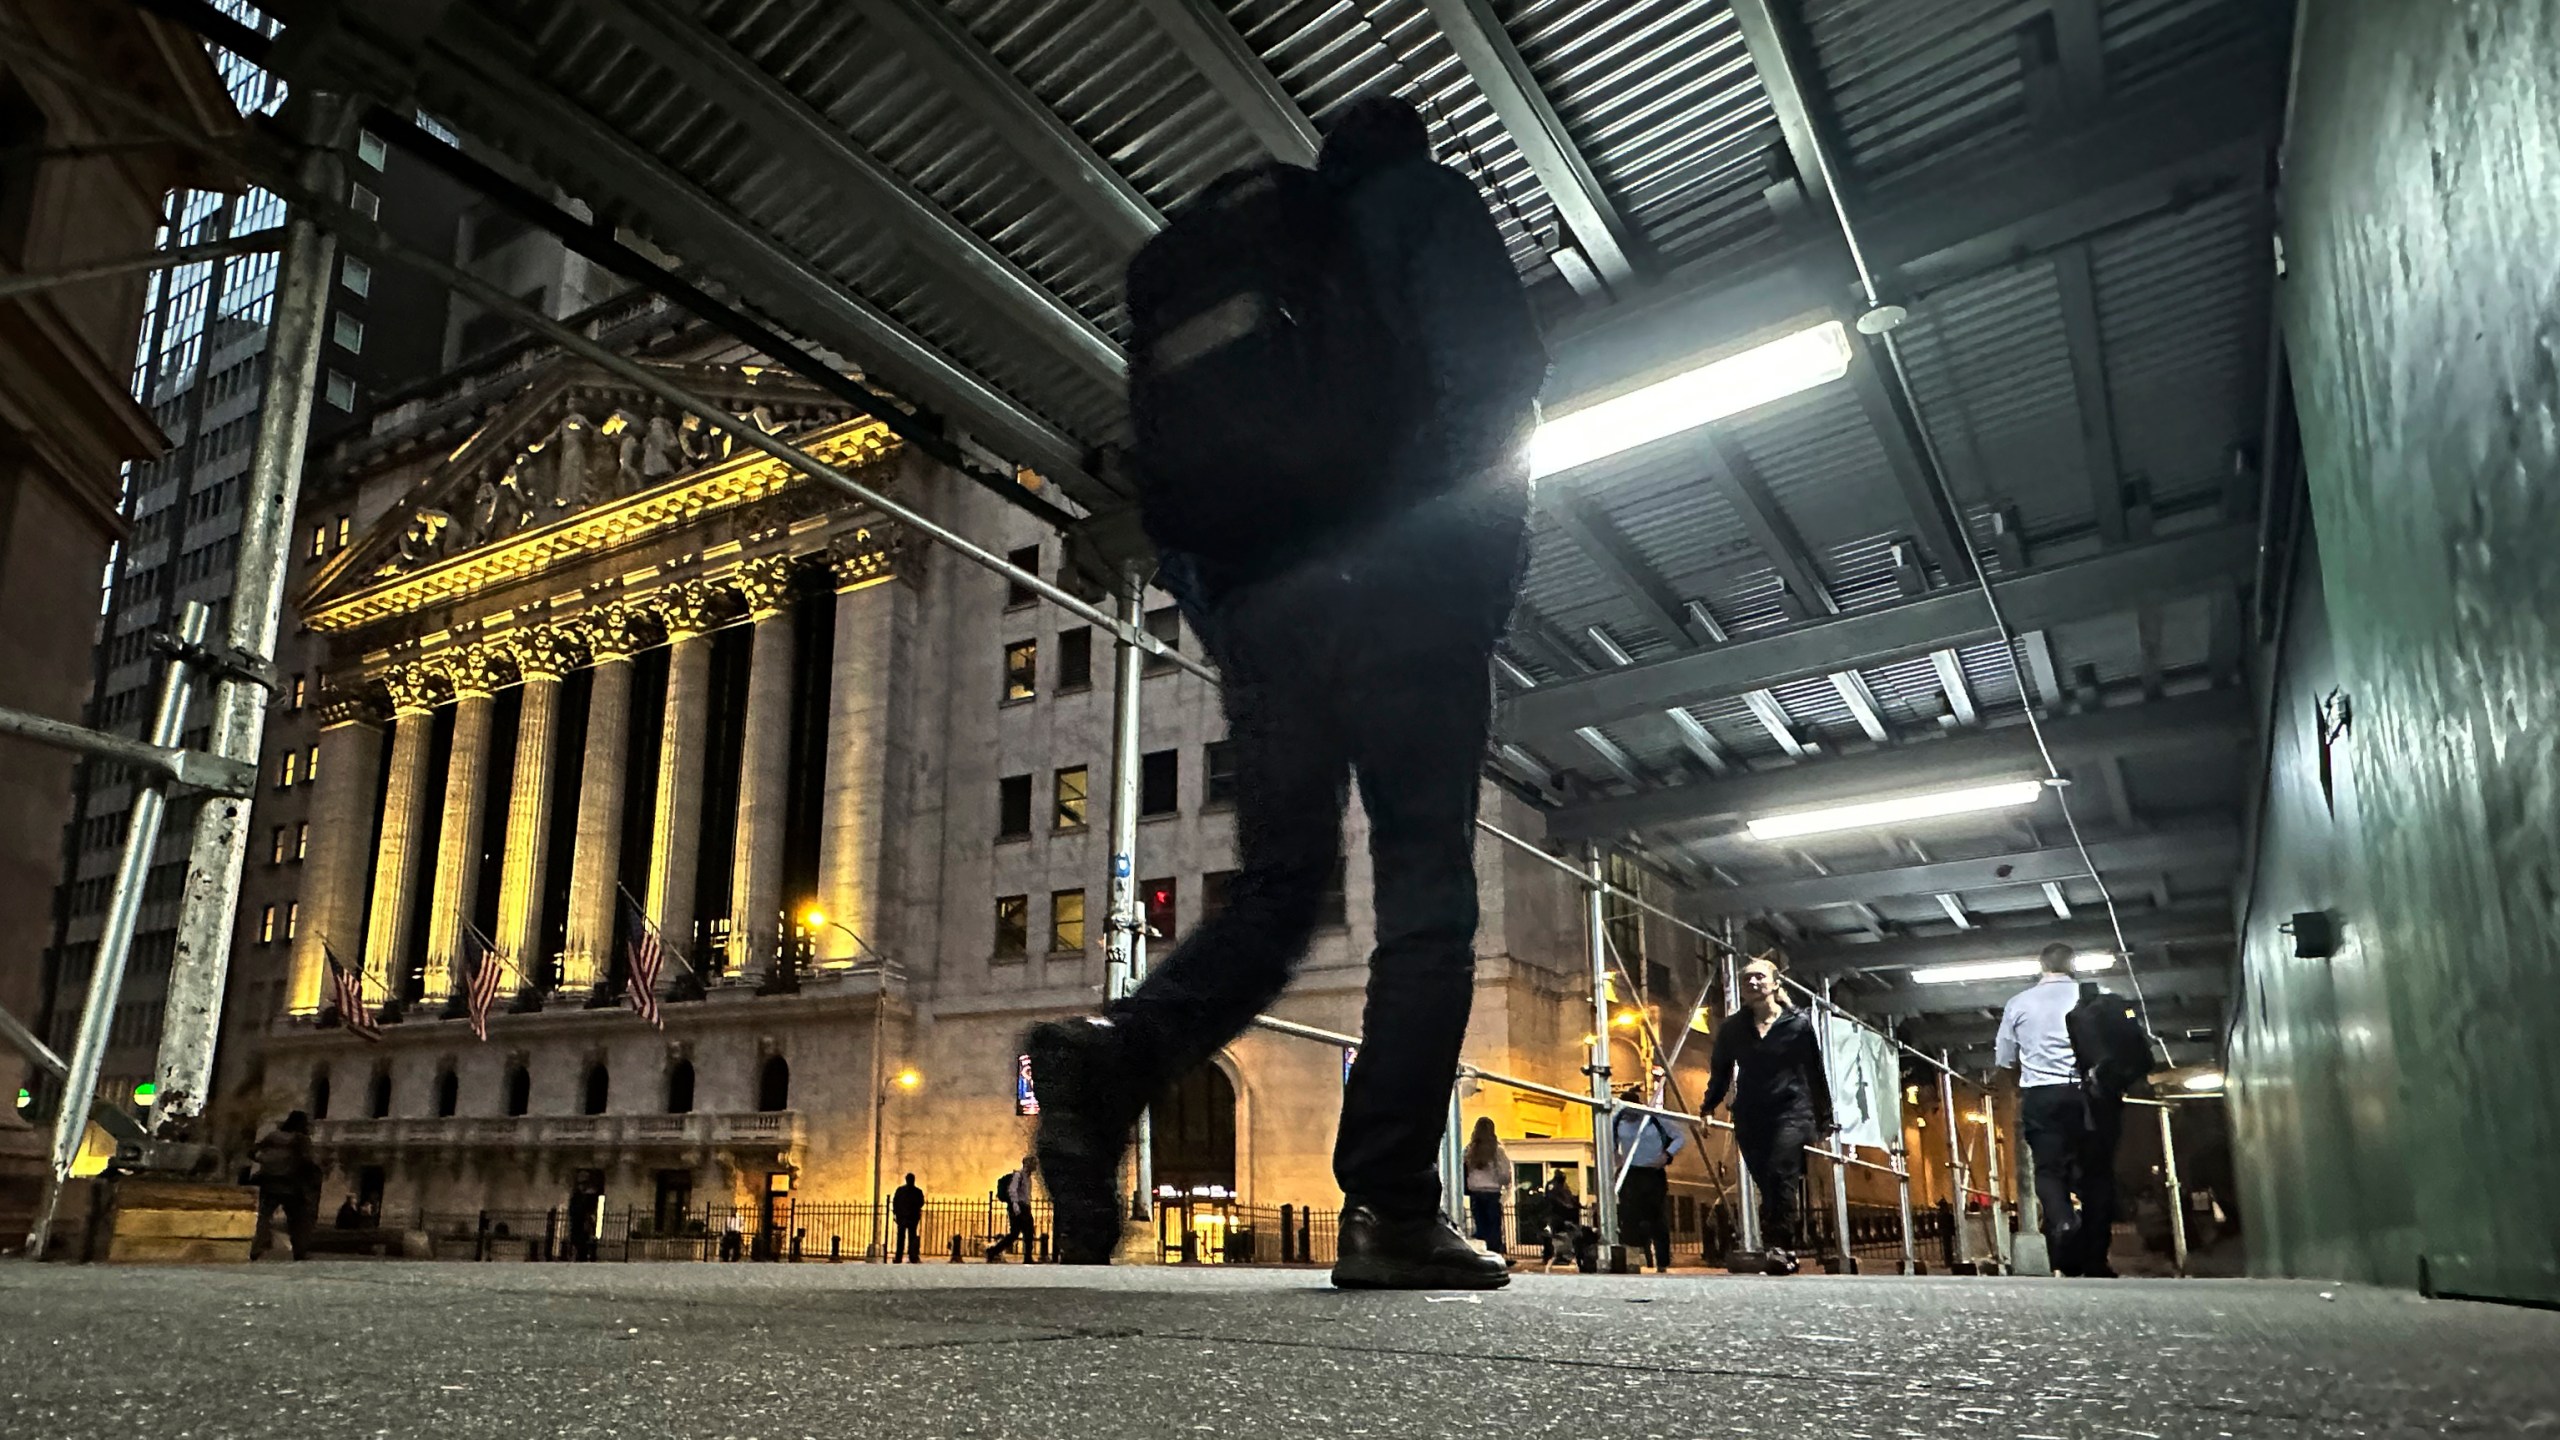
[(1975, 971), (1691, 398), (2203, 1080), (1870, 813)]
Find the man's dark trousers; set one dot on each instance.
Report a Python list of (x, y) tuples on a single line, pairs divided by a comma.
[(2056, 1121), (2096, 1179), (1369, 664), (1644, 1212), (910, 1243)]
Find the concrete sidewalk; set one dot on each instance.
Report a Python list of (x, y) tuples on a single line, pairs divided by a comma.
[(774, 1351)]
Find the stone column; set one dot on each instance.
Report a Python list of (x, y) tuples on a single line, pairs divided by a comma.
[(543, 656), (856, 785), (595, 858), (404, 811), (474, 673), (675, 839), (341, 842), (755, 876)]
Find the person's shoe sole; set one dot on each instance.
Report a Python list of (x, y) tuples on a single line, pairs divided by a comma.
[(1082, 1172), (1363, 1273)]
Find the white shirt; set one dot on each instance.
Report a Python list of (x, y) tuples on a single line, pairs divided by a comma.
[(2034, 1035)]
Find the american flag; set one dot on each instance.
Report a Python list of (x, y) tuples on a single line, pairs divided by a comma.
[(346, 990), (484, 983), (647, 959)]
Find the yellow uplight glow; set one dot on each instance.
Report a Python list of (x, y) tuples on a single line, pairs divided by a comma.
[(1815, 356)]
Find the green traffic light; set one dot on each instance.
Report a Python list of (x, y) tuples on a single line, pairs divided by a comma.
[(145, 1093)]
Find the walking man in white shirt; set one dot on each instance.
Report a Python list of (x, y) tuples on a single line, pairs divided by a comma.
[(2035, 1041)]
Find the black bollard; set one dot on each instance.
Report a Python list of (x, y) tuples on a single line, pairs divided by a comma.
[(835, 1248), (1288, 1234), (955, 1249)]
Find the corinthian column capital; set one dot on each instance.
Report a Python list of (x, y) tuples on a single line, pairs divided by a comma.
[(612, 631), (867, 556), (412, 687), (543, 652), (765, 584), (686, 607), (475, 671)]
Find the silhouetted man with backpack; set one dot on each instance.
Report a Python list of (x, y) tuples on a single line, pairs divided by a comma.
[(2113, 1052), (1333, 377)]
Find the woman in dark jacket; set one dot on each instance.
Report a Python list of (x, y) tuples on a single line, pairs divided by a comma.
[(1781, 1100)]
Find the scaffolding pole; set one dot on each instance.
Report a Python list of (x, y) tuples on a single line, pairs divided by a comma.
[(1746, 1196), (2177, 1196), (248, 244), (201, 966), (124, 912), (1604, 1126), (1126, 949), (2000, 1242), (1842, 1257)]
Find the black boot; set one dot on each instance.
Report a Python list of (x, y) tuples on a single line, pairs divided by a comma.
[(1424, 1253), (1089, 1097)]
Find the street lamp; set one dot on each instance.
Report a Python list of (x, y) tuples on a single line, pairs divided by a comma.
[(818, 919), (908, 1079)]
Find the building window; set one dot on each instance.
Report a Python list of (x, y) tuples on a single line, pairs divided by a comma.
[(356, 275), (267, 926), (1165, 623), (1066, 922), (302, 841), (379, 1096), (364, 202), (341, 392), (1013, 926), (1214, 888), (448, 1092), (680, 1088), (519, 1088), (1021, 670), (773, 1085), (319, 541), (675, 1201), (1333, 907), (275, 849), (1158, 895), (348, 331), (599, 1086), (1072, 791), (292, 918), (1219, 789), (301, 691), (320, 1093), (1160, 782), (1017, 595), (289, 770), (370, 149), (346, 528), (1075, 659), (311, 764), (1013, 807)]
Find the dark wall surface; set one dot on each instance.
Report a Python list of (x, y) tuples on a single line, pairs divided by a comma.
[(2423, 315)]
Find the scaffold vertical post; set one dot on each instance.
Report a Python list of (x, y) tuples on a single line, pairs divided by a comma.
[(1745, 1190), (1842, 1255), (115, 939), (2000, 1241), (1125, 962), (219, 850), (2177, 1193), (1453, 1159), (1902, 1189), (1604, 1159), (1957, 1179)]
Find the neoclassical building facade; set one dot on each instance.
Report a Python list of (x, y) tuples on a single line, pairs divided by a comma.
[(592, 669)]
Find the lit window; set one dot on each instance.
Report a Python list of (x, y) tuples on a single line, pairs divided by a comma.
[(1066, 922), (1165, 623), (1158, 895), (1013, 807), (1071, 798), (1220, 787), (356, 275), (301, 691), (1160, 783), (302, 840), (370, 149), (311, 765), (1021, 671), (1075, 659), (348, 331), (292, 918), (292, 770), (364, 202), (1013, 926), (275, 850), (1016, 593), (319, 541), (267, 926), (346, 528)]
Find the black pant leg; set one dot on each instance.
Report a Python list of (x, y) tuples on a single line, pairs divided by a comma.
[(1644, 1219), (1773, 1149), (1415, 712), (2097, 1180), (2055, 1120), (1291, 780)]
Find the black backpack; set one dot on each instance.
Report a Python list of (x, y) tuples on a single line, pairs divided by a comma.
[(1263, 385), (2108, 1041)]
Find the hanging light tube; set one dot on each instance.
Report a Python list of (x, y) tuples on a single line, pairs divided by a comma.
[(1757, 376), (1867, 814)]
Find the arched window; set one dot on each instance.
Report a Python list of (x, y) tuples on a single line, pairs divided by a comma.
[(680, 1088), (448, 1092), (519, 1089), (599, 1086), (380, 1108), (320, 1093), (773, 1085)]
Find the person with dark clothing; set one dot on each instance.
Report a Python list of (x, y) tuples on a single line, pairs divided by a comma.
[(1645, 1147), (2112, 1052), (1362, 655), (1769, 1057), (2053, 1111), (1015, 1191), (349, 1217), (288, 1176), (1488, 1179), (906, 1206), (1564, 1239)]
